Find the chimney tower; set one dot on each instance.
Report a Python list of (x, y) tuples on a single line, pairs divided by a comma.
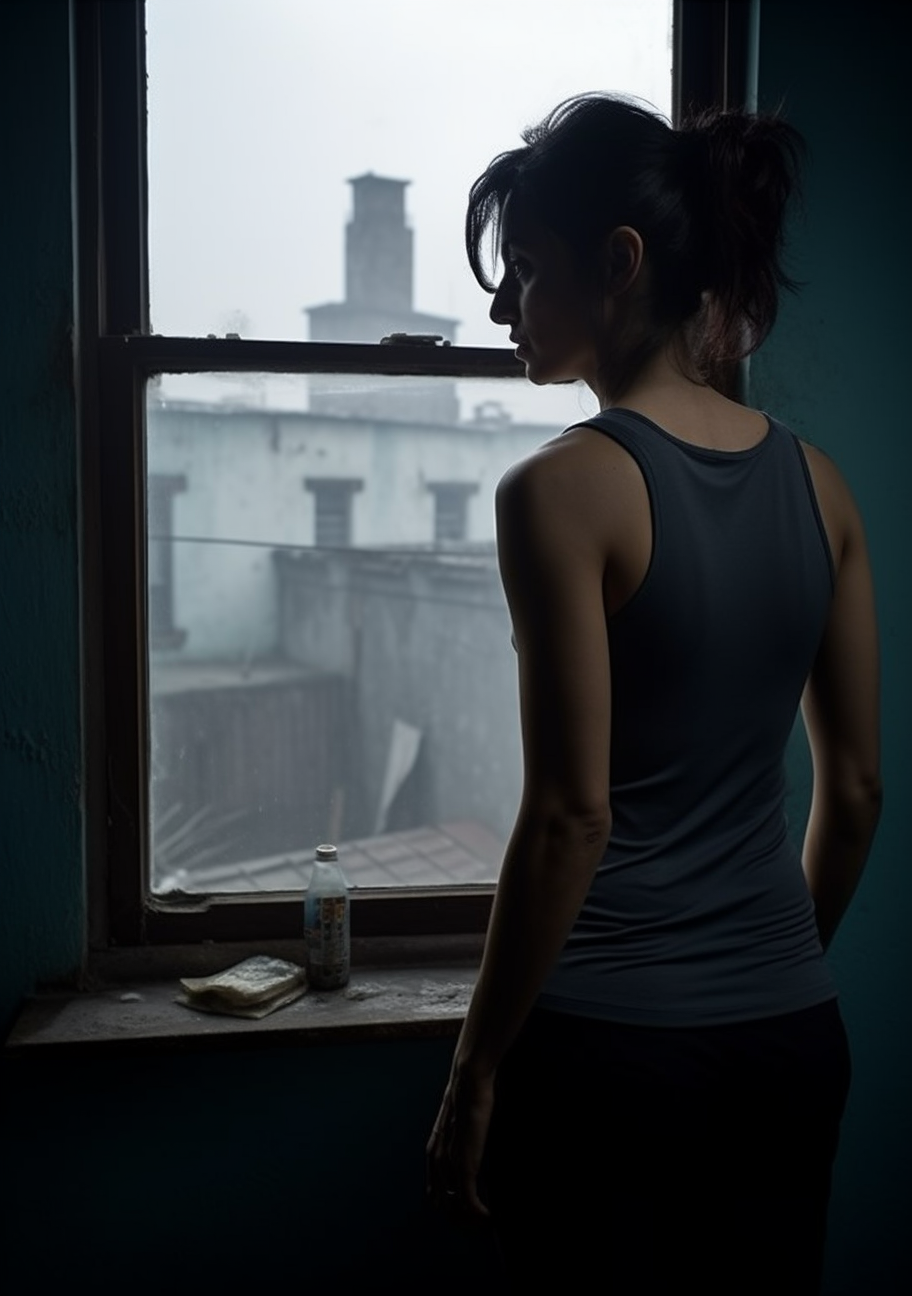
[(378, 246)]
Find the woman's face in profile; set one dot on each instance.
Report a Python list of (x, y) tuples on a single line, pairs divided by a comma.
[(545, 301)]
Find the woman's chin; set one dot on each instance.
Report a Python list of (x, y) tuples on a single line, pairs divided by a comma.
[(544, 375), (539, 376), (535, 372)]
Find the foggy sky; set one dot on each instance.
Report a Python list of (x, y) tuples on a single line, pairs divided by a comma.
[(261, 110)]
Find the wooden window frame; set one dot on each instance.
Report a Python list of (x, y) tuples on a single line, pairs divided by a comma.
[(117, 356)]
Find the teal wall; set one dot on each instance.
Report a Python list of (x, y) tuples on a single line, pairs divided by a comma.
[(288, 1159), (837, 369), (41, 889), (254, 1171)]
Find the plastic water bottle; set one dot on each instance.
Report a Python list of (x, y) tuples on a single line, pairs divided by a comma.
[(327, 937)]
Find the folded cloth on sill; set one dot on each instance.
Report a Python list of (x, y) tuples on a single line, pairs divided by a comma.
[(253, 988)]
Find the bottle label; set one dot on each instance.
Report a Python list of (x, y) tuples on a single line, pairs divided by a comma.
[(328, 951)]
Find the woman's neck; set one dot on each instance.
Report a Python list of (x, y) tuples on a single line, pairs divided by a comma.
[(667, 372), (671, 394)]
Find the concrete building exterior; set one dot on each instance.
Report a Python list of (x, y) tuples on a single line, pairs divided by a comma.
[(322, 588), (231, 485)]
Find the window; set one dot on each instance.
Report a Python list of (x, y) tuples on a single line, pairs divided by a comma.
[(238, 652), (332, 510), (451, 510)]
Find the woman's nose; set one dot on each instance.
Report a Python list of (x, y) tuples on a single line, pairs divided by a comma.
[(503, 308)]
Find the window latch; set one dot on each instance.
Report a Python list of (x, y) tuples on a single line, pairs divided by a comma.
[(414, 339)]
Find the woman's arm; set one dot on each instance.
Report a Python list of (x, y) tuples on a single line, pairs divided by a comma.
[(841, 709), (552, 564)]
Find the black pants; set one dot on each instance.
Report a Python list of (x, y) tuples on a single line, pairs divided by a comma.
[(648, 1160)]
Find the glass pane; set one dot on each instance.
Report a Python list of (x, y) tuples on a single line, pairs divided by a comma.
[(330, 656), (301, 186)]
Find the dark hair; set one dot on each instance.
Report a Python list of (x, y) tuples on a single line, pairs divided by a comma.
[(708, 200)]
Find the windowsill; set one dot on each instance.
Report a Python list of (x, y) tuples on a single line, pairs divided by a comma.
[(382, 1001)]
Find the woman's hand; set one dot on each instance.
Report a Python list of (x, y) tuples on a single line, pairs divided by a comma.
[(457, 1143)]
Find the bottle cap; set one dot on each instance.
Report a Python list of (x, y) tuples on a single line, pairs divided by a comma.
[(327, 853)]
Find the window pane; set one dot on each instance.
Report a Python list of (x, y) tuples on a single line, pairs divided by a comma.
[(328, 658), (301, 186)]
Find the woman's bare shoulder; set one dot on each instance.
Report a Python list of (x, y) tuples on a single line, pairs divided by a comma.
[(821, 464), (582, 493), (578, 462), (841, 518)]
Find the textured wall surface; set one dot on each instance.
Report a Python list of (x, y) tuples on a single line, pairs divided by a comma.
[(836, 368), (41, 911)]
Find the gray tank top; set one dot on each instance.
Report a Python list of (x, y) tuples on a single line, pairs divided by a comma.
[(699, 912)]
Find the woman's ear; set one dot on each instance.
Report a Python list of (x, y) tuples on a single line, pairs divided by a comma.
[(622, 259)]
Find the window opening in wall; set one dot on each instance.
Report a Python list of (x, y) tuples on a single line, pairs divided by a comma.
[(324, 688), (333, 498), (451, 510), (337, 665)]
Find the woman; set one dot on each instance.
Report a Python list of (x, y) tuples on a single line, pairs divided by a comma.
[(648, 1085)]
